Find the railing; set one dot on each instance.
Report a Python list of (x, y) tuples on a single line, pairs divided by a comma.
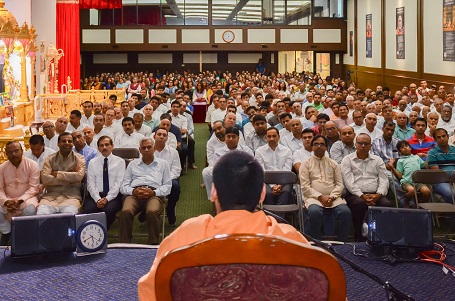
[(53, 106)]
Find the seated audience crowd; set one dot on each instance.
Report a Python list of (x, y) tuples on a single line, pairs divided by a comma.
[(349, 147)]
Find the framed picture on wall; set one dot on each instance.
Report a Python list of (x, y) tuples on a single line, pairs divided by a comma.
[(400, 46), (369, 36), (448, 28)]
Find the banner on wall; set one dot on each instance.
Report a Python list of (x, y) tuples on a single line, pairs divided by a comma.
[(369, 36), (448, 28), (351, 43), (400, 46)]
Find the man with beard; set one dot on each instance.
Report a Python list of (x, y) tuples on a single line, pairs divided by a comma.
[(446, 121), (345, 146), (257, 138)]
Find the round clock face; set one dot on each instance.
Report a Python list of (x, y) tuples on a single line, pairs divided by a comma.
[(228, 36), (91, 236)]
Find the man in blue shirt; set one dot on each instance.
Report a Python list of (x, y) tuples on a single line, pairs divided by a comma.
[(81, 147)]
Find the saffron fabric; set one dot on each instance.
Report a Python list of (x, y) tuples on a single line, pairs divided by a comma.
[(205, 226)]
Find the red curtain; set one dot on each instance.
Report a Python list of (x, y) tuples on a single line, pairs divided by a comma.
[(68, 39), (101, 4)]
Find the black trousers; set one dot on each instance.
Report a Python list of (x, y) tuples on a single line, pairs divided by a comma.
[(359, 208), (173, 198), (111, 208)]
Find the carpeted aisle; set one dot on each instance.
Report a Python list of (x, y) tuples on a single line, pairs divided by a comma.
[(192, 200)]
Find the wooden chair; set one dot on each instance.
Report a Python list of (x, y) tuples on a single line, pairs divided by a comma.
[(283, 178), (246, 267), (432, 176)]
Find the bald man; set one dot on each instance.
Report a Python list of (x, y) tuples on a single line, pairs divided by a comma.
[(370, 127)]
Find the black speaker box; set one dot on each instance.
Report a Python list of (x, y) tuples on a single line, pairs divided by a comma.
[(42, 234), (400, 228)]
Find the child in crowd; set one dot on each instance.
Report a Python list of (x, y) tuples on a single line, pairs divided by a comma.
[(406, 165)]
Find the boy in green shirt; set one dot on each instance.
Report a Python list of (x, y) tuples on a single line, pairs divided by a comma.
[(406, 165)]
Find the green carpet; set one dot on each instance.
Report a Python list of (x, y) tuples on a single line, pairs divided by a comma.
[(193, 198)]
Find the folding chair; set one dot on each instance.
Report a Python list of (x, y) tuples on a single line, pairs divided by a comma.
[(283, 178), (127, 154), (432, 176), (215, 268)]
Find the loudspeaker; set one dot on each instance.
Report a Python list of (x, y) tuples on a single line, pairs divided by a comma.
[(42, 234), (400, 228)]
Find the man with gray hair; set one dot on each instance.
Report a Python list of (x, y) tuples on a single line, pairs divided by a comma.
[(146, 182)]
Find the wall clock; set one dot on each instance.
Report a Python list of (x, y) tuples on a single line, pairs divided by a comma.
[(228, 36)]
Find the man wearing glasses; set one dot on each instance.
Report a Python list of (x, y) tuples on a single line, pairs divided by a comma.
[(50, 138), (146, 182), (365, 178)]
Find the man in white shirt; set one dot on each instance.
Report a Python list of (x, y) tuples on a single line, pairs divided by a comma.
[(118, 116), (61, 125), (87, 117), (358, 123), (171, 156), (99, 129), (104, 178), (128, 137), (231, 139), (188, 117), (89, 136), (365, 179), (370, 127), (219, 113), (109, 123), (294, 140), (215, 142), (139, 127), (38, 151), (131, 103), (275, 157), (50, 137), (305, 152), (75, 122), (446, 121), (146, 182)]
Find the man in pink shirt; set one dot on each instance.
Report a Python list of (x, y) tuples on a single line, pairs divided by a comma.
[(19, 181), (238, 188)]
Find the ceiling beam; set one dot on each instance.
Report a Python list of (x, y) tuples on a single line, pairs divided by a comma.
[(241, 4), (175, 8)]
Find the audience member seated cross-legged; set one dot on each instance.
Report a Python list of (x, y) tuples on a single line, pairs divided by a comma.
[(238, 188), (104, 178), (62, 174), (19, 182), (322, 186), (146, 182), (366, 182)]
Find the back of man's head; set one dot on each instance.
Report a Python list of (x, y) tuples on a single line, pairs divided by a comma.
[(238, 179)]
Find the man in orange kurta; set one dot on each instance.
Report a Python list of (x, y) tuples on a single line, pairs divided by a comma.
[(238, 187), (19, 181)]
